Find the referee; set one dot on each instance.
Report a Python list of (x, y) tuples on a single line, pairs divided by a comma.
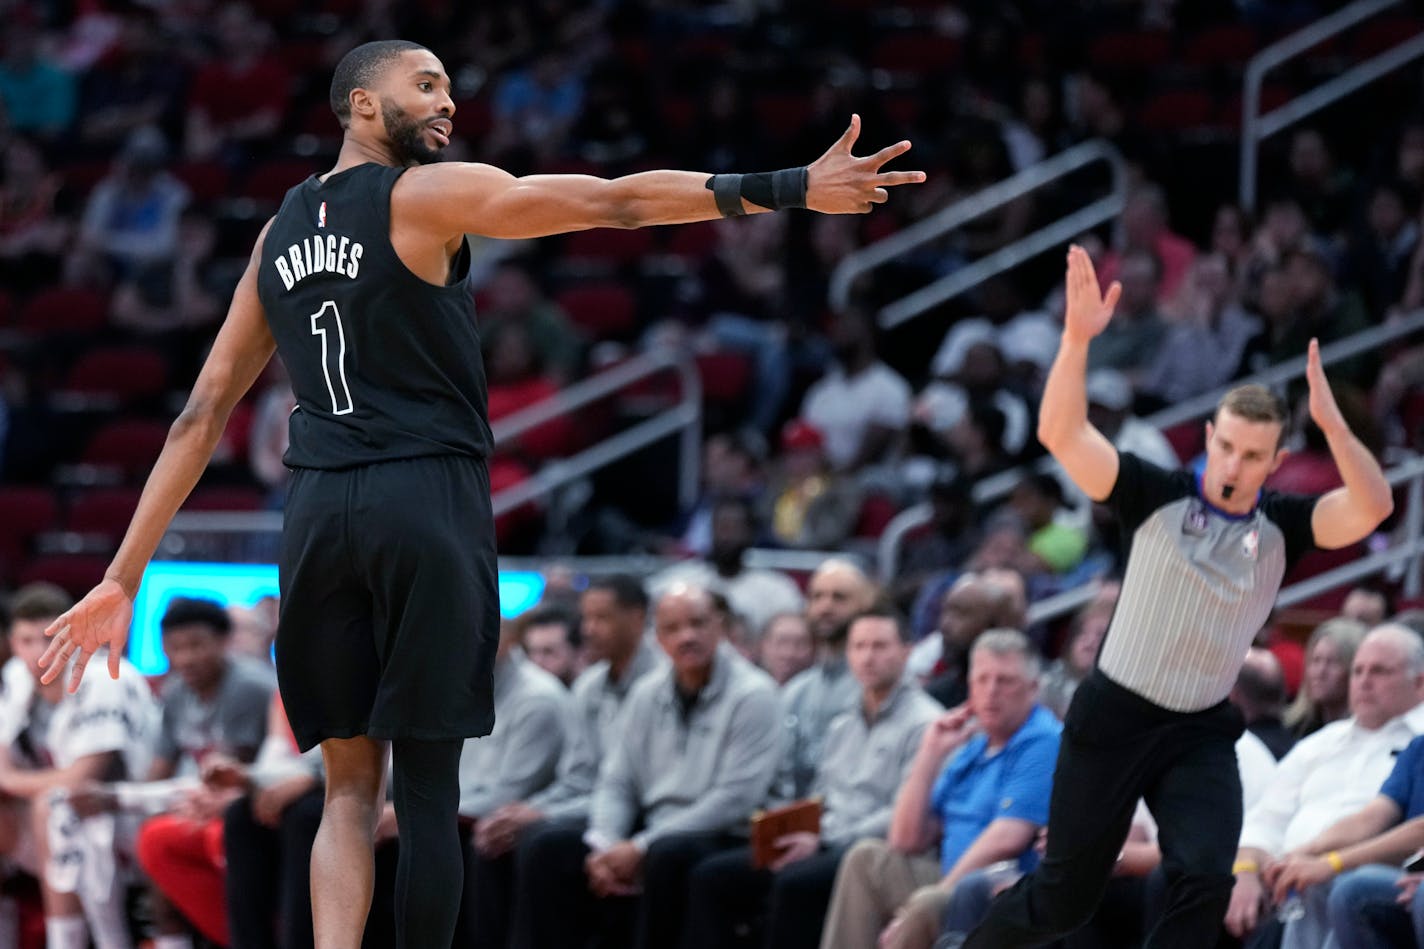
[(1206, 556)]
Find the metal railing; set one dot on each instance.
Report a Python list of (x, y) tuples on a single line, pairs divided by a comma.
[(685, 417), (967, 209), (1255, 127), (999, 485)]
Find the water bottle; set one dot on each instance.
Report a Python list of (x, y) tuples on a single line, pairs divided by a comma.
[(1292, 908)]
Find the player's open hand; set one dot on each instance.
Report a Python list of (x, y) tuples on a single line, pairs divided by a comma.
[(1089, 309), (101, 619), (840, 183), (1323, 410)]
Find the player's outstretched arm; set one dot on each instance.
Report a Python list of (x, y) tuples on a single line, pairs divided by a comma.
[(1350, 513), (1063, 426), (481, 199), (241, 350)]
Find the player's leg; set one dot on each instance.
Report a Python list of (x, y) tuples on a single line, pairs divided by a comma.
[(342, 863), (1197, 805), (430, 872)]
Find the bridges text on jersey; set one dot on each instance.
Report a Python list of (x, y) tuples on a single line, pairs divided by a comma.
[(319, 253)]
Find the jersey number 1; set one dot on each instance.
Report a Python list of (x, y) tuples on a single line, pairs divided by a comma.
[(333, 356)]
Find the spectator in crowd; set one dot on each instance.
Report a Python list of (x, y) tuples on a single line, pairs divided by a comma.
[(1382, 248), (1231, 239), (59, 742), (1324, 190), (1080, 654), (517, 380), (968, 608), (177, 293), (130, 224), (866, 755), (1260, 695), (755, 594), (1317, 310), (240, 874), (1328, 776), (239, 97), (38, 96), (1110, 408), (837, 591), (731, 467), (536, 104), (550, 638), (1053, 546), (731, 628), (512, 295), (612, 611), (267, 441), (1284, 230), (1131, 341), (1368, 604), (1324, 695), (979, 786), (1145, 229), (812, 506), (967, 433), (521, 754), (786, 647), (860, 405), (1207, 337), (946, 541), (698, 753), (253, 632), (137, 84), (36, 225)]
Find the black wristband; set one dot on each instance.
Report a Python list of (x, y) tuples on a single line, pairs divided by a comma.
[(775, 190)]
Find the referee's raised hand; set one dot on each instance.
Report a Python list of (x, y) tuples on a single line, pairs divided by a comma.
[(1088, 309), (1323, 409), (101, 619), (840, 183)]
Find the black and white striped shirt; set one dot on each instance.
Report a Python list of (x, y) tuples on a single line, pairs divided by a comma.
[(1199, 584)]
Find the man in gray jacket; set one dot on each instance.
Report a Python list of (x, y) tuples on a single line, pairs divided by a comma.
[(699, 748), (866, 755), (839, 589), (612, 616)]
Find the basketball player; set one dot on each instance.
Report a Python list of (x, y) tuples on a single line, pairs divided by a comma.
[(1206, 556), (388, 578)]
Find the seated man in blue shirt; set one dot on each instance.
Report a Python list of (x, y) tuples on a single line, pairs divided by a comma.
[(979, 785), (1366, 851)]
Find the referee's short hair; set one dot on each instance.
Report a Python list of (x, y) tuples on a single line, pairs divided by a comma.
[(1009, 642), (196, 611), (1255, 403)]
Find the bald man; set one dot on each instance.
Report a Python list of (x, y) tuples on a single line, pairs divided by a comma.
[(839, 590)]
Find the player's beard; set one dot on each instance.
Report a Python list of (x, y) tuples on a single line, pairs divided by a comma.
[(407, 137)]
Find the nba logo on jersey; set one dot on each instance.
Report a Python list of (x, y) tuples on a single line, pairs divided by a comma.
[(1250, 544), (1194, 523), (321, 215)]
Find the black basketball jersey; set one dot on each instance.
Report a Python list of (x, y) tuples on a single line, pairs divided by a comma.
[(383, 364)]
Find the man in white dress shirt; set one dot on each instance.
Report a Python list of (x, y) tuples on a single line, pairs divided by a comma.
[(1330, 775)]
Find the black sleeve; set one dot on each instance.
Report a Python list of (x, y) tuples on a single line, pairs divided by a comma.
[(1142, 488), (1292, 514)]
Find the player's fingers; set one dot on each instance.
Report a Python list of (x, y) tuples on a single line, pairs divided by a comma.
[(889, 152), (59, 625), (49, 661), (114, 660), (848, 137), (77, 673), (879, 196), (1114, 291), (889, 179)]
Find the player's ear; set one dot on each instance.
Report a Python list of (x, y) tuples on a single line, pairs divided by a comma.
[(363, 103)]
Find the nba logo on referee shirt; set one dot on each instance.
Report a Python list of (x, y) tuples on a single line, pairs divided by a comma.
[(321, 215), (1250, 544), (1195, 521)]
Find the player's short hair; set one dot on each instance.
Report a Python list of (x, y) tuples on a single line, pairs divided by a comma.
[(359, 68), (195, 611), (1254, 403), (627, 591), (39, 601)]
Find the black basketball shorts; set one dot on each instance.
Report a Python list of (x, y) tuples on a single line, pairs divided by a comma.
[(390, 601)]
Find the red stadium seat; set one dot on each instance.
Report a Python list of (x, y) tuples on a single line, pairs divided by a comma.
[(606, 310), (65, 310), (1187, 439), (693, 241), (130, 445), (24, 513), (207, 181), (77, 574), (876, 512), (1178, 109), (609, 245), (228, 498), (271, 180), (105, 511), (1383, 34), (1229, 45), (782, 115), (1134, 51), (128, 373), (725, 376)]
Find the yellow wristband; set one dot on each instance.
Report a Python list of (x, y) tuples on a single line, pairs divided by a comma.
[(1336, 864), (1245, 866)]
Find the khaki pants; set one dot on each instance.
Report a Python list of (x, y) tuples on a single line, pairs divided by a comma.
[(873, 885)]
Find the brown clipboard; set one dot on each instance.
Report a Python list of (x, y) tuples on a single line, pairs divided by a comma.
[(770, 826)]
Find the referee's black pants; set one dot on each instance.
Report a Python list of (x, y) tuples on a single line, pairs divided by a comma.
[(1118, 747)]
